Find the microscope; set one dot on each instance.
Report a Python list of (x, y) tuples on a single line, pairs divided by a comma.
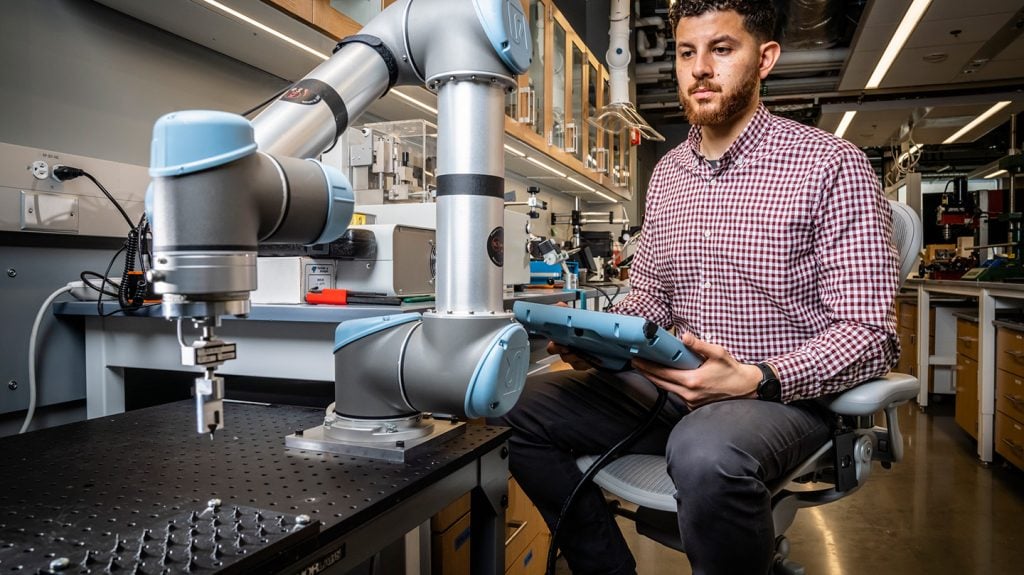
[(222, 185)]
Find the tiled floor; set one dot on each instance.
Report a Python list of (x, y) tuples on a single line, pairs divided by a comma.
[(938, 512)]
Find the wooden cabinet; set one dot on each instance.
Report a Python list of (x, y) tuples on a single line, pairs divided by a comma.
[(967, 395), (526, 536), (906, 329), (1010, 394)]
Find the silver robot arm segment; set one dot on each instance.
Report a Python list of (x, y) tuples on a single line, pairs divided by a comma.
[(222, 185)]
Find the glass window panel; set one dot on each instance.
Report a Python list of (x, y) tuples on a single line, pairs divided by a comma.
[(577, 103), (531, 103), (592, 143), (558, 87)]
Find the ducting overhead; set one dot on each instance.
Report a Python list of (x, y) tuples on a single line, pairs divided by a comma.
[(810, 24)]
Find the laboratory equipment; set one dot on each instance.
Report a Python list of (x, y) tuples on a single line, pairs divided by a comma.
[(222, 185)]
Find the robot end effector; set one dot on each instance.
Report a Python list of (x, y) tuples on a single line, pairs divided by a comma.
[(223, 185)]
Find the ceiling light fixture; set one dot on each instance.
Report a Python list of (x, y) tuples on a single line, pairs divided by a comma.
[(974, 123), (546, 167), (514, 151), (266, 29), (845, 123), (996, 174), (414, 102), (903, 32)]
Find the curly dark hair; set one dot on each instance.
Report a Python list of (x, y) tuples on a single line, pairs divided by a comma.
[(758, 15)]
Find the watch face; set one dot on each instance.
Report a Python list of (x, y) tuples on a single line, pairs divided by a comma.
[(770, 390)]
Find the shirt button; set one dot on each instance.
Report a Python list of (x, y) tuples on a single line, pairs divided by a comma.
[(707, 285), (707, 233), (797, 397)]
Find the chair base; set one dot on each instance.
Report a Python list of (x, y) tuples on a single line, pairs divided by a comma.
[(662, 527)]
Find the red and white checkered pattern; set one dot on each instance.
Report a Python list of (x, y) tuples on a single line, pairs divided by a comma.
[(781, 253)]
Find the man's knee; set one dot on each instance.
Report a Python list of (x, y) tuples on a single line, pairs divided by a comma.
[(706, 450)]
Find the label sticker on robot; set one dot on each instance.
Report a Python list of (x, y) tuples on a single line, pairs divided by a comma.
[(496, 246), (302, 93)]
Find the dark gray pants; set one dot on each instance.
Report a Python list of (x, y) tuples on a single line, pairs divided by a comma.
[(720, 456)]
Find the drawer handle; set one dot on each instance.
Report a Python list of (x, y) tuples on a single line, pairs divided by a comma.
[(913, 339), (1017, 356), (1018, 449), (522, 526), (1016, 400), (967, 339)]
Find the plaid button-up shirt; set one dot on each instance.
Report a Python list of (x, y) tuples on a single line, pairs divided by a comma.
[(780, 251)]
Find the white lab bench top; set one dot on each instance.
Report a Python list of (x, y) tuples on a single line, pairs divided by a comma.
[(276, 341)]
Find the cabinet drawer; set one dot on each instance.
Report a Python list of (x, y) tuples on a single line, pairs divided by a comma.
[(1010, 350), (907, 315), (1010, 394), (967, 338), (908, 354), (966, 414), (1010, 439)]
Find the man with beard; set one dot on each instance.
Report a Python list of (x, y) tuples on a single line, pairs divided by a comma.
[(766, 246)]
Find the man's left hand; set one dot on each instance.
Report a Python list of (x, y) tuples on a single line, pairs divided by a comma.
[(721, 377)]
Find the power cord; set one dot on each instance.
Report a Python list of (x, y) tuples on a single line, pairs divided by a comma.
[(32, 352), (63, 173), (606, 458)]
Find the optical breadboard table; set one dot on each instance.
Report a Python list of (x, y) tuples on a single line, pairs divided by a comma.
[(140, 492)]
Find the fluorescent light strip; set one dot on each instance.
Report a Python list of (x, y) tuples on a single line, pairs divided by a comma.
[(974, 124), (546, 167), (584, 186), (906, 27), (996, 174), (515, 151), (415, 102), (266, 29), (845, 123), (913, 150)]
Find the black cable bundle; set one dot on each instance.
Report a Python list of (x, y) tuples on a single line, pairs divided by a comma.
[(132, 289)]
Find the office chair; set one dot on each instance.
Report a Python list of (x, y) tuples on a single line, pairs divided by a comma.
[(843, 463)]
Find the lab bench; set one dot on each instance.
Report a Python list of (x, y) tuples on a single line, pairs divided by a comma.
[(140, 492), (981, 357), (292, 342)]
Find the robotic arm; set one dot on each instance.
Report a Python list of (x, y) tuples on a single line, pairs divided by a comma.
[(222, 185)]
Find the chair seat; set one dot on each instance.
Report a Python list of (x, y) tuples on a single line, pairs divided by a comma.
[(644, 479), (639, 479)]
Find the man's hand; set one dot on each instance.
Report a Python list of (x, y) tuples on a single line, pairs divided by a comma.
[(721, 377), (577, 360)]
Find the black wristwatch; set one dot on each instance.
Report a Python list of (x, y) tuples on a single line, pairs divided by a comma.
[(769, 388)]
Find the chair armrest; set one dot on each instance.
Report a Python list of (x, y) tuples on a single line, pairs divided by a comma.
[(872, 396)]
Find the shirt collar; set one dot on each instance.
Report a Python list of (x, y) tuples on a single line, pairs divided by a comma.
[(742, 147)]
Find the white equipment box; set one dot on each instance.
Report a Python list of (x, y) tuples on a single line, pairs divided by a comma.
[(402, 262), (287, 279), (516, 270)]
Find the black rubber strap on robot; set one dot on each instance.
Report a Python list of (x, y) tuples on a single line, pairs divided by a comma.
[(378, 45), (470, 185), (311, 91)]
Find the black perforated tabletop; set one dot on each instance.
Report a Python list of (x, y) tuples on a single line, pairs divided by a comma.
[(141, 492)]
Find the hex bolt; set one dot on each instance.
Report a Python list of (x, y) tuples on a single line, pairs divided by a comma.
[(214, 503), (60, 564), (12, 273), (12, 385), (302, 519)]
